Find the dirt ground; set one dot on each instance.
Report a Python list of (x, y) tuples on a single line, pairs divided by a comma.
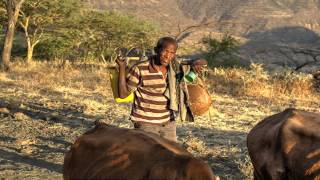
[(40, 120)]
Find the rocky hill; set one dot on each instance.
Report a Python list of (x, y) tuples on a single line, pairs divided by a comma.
[(276, 31), (236, 16), (245, 16)]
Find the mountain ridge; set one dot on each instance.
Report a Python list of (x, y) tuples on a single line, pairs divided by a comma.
[(267, 25)]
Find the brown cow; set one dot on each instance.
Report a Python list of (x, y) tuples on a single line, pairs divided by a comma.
[(286, 146), (107, 152)]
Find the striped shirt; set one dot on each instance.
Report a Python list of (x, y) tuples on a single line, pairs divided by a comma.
[(150, 104)]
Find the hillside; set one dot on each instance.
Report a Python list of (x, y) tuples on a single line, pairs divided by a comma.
[(278, 33), (242, 17), (239, 17)]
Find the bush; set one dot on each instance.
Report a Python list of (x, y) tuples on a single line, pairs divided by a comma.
[(219, 53), (293, 83), (53, 48)]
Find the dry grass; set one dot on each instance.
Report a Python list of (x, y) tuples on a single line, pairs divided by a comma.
[(256, 82), (81, 93)]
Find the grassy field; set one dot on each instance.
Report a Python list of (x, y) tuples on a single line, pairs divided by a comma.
[(44, 107)]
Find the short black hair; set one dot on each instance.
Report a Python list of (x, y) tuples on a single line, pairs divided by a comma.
[(162, 42)]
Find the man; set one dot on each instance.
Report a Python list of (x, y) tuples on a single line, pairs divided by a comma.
[(154, 83)]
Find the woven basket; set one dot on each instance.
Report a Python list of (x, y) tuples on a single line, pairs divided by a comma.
[(199, 99)]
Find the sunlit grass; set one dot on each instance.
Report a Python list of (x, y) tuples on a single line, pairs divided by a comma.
[(241, 98)]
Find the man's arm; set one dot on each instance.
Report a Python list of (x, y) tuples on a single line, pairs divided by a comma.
[(123, 90)]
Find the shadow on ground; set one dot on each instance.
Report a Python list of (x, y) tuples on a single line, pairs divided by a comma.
[(225, 149), (69, 115), (29, 160)]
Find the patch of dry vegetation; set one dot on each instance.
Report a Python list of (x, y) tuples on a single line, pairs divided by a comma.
[(256, 82), (58, 101)]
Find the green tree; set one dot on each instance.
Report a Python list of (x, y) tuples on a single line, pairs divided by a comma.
[(13, 9), (102, 33), (58, 44), (95, 35), (40, 16)]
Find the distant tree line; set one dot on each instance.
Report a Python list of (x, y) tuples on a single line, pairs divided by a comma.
[(66, 29)]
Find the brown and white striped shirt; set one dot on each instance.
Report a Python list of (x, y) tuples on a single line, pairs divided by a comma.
[(150, 104)]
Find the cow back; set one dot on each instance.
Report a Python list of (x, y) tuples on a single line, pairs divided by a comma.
[(107, 152), (286, 146)]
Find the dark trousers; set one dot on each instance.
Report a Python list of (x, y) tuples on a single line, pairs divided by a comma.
[(167, 130)]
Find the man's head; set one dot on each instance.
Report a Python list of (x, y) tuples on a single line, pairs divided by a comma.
[(166, 50)]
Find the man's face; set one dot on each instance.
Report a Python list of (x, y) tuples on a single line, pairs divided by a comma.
[(167, 54)]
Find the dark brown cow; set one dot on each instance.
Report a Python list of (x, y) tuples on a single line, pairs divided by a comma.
[(286, 146), (107, 152)]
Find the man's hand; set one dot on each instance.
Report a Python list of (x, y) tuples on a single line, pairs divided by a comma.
[(121, 61), (198, 65), (123, 90)]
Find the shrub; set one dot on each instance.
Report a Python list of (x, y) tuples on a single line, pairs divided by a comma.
[(53, 48), (219, 52), (259, 83)]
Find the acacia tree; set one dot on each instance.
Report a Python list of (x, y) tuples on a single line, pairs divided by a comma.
[(12, 8), (41, 16), (102, 33)]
